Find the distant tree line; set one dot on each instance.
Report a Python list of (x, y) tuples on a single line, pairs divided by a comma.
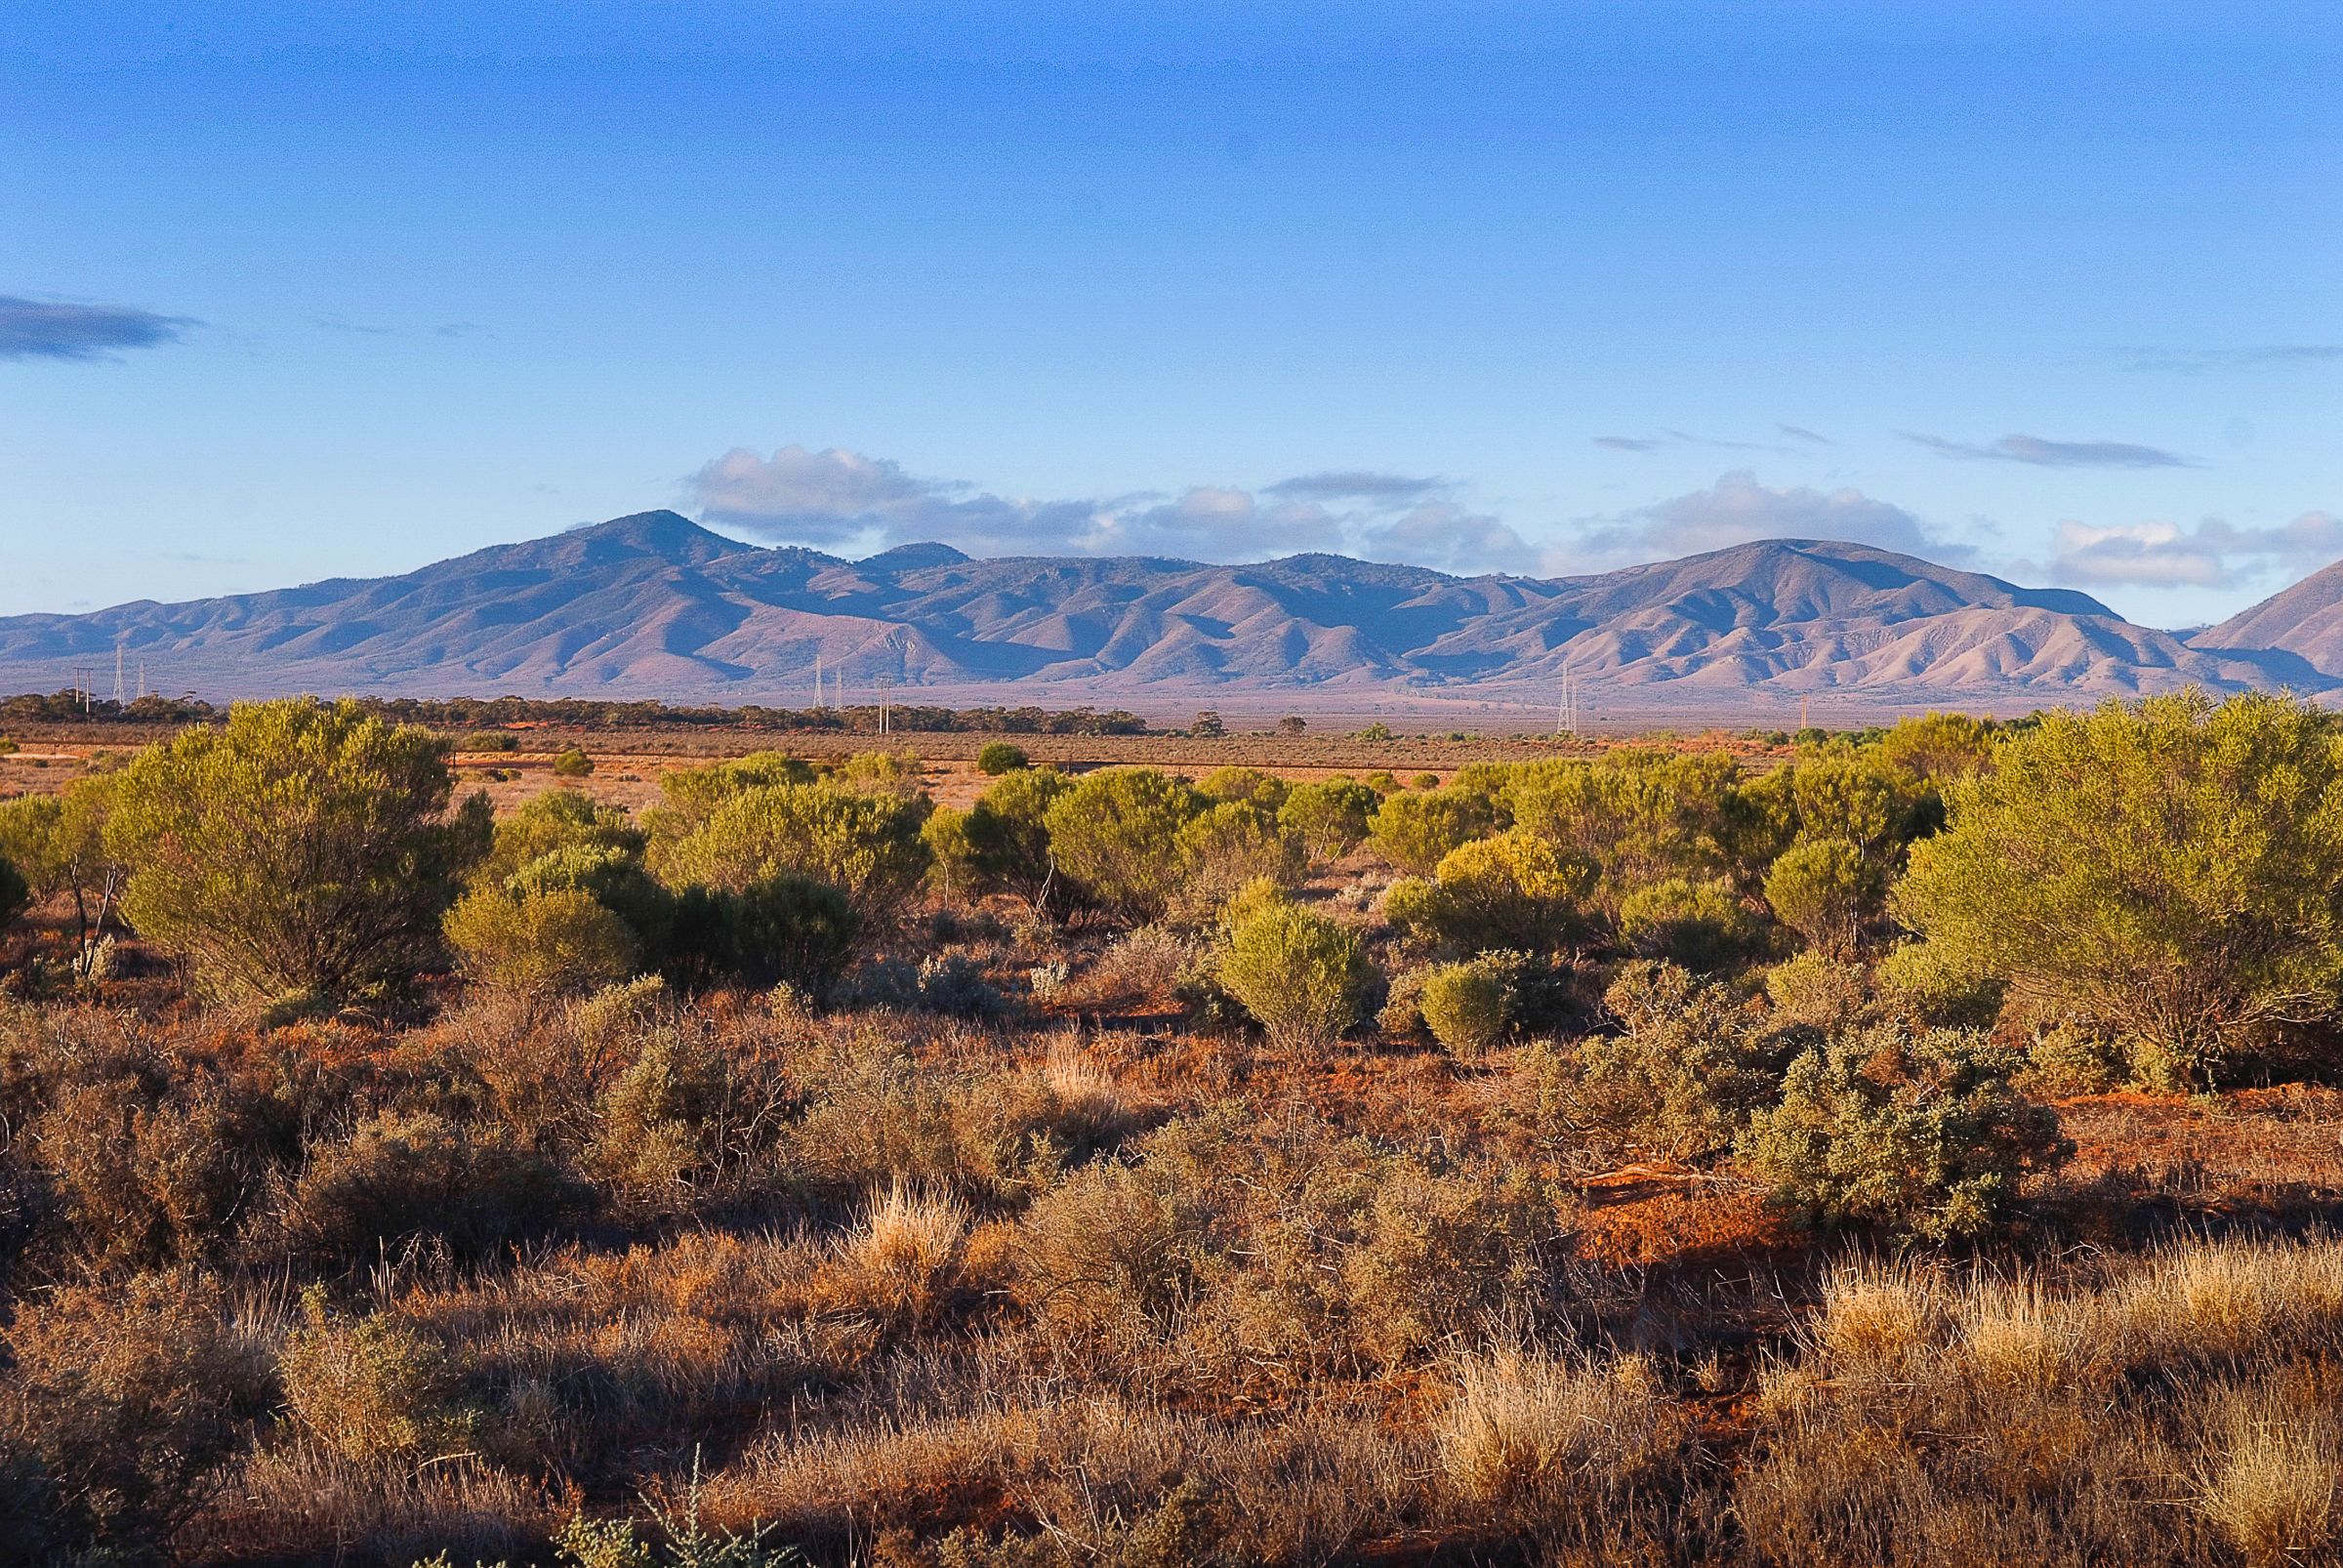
[(63, 707)]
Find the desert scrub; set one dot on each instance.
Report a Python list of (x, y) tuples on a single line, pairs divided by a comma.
[(1227, 1253), (1469, 1007), (401, 1174), (1690, 1065), (1917, 1132), (120, 1409), (371, 1388), (1301, 976)]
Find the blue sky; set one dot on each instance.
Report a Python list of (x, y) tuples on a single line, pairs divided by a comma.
[(289, 292)]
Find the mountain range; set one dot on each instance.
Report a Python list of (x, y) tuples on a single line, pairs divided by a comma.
[(654, 605)]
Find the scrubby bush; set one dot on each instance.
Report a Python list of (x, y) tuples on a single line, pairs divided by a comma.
[(1912, 1130), (1246, 784), (488, 740), (2168, 871), (572, 763), (1009, 838), (1227, 845), (120, 1409), (1509, 891), (788, 930), (999, 757), (16, 894), (401, 1174), (1689, 1068), (300, 848), (1332, 818), (148, 1171), (1827, 892), (866, 845), (1117, 834), (563, 939), (1300, 974), (1414, 831), (1701, 925), (371, 1388), (1468, 1006)]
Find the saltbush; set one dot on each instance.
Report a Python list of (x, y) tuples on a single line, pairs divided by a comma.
[(1301, 976), (1917, 1132)]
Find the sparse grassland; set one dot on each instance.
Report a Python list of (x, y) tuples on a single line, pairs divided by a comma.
[(731, 1156)]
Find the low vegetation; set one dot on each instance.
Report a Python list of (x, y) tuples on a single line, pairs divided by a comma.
[(1922, 1150)]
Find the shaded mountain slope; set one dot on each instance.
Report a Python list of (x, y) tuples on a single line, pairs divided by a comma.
[(653, 605)]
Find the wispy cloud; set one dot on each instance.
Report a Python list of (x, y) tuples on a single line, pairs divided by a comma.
[(839, 498), (2215, 553), (1354, 485), (2049, 454), (1668, 437), (2202, 361), (60, 329), (1802, 433), (1738, 509)]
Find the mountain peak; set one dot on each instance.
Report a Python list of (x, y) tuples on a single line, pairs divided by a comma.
[(668, 535), (914, 557)]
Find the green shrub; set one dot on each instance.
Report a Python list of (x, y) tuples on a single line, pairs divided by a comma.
[(2168, 872), (562, 939), (558, 819), (1009, 838), (1689, 1067), (1299, 975), (1816, 990), (572, 763), (884, 773), (489, 741), (300, 848), (1468, 1006), (1703, 925), (1247, 784), (1917, 1132), (999, 757), (951, 863), (1509, 891), (1641, 816), (1927, 984), (1331, 817), (1233, 844), (866, 845), (16, 894), (1827, 892), (789, 930), (689, 795), (1117, 834), (1415, 830)]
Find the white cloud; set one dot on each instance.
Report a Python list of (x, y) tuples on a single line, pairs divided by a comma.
[(1738, 509), (843, 500), (2212, 554)]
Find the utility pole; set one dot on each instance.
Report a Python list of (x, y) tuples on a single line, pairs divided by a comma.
[(886, 686), (117, 672), (817, 681)]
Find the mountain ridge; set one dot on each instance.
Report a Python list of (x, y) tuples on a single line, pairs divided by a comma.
[(652, 605)]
